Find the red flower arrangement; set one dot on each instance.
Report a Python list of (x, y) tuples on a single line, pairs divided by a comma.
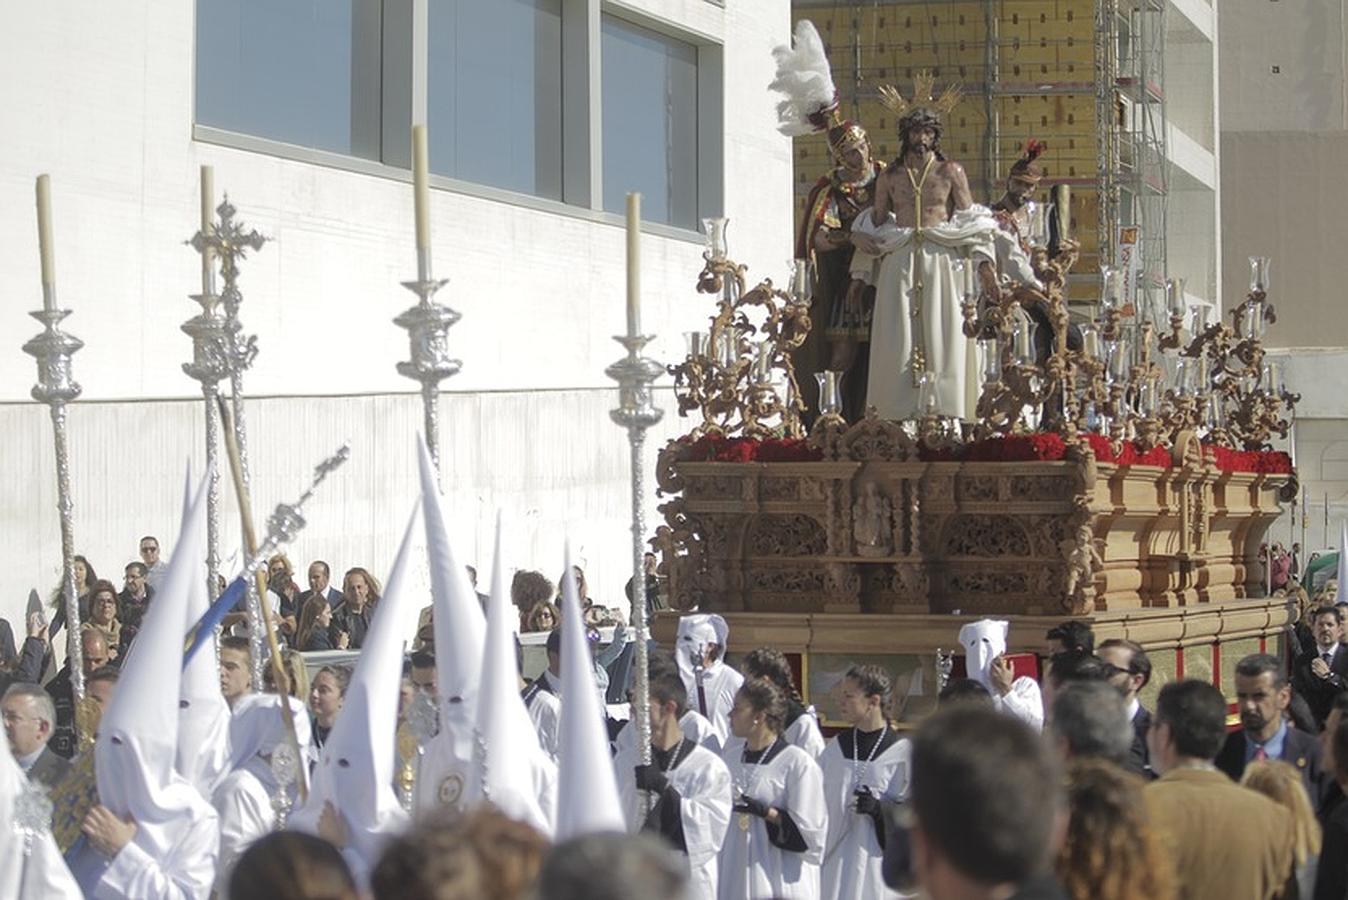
[(1046, 447)]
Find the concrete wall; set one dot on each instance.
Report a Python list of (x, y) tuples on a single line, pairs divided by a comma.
[(100, 96)]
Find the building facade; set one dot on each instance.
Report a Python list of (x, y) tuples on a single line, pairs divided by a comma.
[(542, 114)]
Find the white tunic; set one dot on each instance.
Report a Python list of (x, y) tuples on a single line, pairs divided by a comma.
[(703, 784), (694, 726), (931, 320), (804, 733), (719, 684), (853, 855), (185, 872), (752, 867), (246, 815), (545, 711)]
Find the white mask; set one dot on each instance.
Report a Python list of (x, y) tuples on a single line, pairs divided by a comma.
[(983, 641)]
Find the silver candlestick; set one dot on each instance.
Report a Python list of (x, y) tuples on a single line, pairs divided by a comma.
[(635, 374), (56, 386), (428, 325), (230, 243)]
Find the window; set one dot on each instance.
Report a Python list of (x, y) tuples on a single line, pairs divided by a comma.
[(494, 93), (650, 122), (555, 104), (289, 70)]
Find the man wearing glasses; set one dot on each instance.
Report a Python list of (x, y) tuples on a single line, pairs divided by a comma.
[(154, 566)]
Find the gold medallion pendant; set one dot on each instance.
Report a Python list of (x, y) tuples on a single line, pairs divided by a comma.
[(744, 821)]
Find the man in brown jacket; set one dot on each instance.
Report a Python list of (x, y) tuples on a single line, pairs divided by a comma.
[(1226, 841)]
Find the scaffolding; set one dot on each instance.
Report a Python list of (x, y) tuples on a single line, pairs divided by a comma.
[(1131, 130), (1084, 76)]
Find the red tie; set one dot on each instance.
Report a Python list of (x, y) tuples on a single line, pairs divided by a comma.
[(1259, 754)]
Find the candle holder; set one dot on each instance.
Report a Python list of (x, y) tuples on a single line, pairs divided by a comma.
[(636, 412), (744, 380), (56, 387), (427, 325)]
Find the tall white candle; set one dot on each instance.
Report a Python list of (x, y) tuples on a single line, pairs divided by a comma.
[(44, 239), (207, 224), (421, 184), (633, 264)]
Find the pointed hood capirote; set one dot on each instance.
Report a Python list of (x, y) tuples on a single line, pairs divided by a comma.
[(136, 749), (203, 714), (460, 628), (587, 796), (508, 751), (355, 770), (694, 634)]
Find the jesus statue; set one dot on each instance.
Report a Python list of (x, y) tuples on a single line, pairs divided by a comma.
[(922, 222)]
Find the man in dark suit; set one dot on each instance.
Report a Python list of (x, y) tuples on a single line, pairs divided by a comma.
[(320, 582), (1262, 696), (1318, 676), (30, 718), (1133, 672)]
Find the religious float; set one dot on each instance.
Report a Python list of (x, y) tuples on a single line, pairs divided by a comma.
[(1120, 472)]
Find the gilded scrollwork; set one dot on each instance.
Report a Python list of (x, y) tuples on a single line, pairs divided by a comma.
[(786, 535)]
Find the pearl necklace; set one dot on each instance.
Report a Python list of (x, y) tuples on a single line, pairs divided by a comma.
[(857, 762)]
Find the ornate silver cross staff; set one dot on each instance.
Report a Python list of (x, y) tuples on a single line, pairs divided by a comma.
[(229, 242), (635, 374), (56, 387)]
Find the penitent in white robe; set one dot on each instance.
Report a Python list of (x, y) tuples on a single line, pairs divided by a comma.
[(932, 322), (448, 777), (752, 865), (246, 815), (545, 711), (719, 683), (702, 782), (854, 852)]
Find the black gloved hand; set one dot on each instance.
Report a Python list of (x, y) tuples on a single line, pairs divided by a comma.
[(867, 803), (747, 804), (650, 778)]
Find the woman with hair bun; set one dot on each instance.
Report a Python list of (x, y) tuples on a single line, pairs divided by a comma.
[(778, 821), (799, 725)]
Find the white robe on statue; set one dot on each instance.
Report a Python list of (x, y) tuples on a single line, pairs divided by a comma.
[(892, 387), (703, 784), (853, 853), (752, 866)]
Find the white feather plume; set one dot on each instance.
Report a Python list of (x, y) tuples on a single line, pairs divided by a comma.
[(804, 78)]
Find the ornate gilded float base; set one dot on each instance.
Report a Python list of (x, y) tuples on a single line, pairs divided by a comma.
[(885, 532)]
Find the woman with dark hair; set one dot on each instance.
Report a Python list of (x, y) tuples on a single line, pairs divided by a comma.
[(866, 772), (800, 727), (85, 576), (777, 825), (543, 617), (1111, 851), (327, 692), (314, 633), (289, 865), (102, 616)]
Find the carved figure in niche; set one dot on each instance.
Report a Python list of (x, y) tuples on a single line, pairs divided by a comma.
[(1083, 561), (872, 518)]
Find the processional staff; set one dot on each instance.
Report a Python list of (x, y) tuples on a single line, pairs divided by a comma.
[(219, 349), (634, 374), (428, 322), (56, 387)]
